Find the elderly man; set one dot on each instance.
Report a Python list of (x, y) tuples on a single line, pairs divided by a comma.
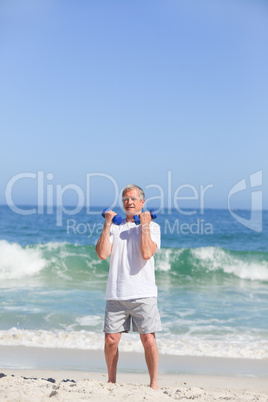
[(131, 292)]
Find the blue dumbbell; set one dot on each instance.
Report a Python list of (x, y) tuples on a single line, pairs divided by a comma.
[(117, 220), (137, 218)]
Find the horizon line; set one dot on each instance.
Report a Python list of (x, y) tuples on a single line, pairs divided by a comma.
[(156, 207)]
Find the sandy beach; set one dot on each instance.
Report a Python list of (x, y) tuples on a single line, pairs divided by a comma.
[(40, 374), (42, 385)]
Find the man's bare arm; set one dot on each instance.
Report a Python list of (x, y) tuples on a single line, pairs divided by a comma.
[(104, 246), (147, 245)]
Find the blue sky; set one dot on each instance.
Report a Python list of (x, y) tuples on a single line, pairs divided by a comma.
[(134, 90)]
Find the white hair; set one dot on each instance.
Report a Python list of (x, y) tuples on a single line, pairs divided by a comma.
[(131, 187)]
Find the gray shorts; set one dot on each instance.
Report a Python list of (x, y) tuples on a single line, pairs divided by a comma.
[(142, 313)]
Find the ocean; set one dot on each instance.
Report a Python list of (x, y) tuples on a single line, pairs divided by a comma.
[(211, 273)]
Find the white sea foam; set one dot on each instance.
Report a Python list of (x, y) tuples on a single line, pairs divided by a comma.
[(51, 246), (17, 261), (238, 346), (90, 320), (212, 259), (165, 257), (163, 260)]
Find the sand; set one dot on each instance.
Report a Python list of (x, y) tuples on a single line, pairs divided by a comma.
[(36, 385), (39, 374)]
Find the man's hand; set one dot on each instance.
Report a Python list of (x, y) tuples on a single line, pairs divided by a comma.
[(145, 218), (104, 246), (147, 246), (109, 216)]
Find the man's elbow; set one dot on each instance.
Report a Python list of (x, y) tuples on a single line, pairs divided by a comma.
[(148, 252), (146, 258), (101, 255), (146, 255)]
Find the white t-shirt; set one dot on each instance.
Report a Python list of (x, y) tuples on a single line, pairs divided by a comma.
[(130, 276)]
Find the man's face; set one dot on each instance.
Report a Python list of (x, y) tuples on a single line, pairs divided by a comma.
[(132, 203)]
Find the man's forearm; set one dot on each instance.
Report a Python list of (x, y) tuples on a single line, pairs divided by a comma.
[(104, 246), (147, 246)]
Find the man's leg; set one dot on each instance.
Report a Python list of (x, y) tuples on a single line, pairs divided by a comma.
[(151, 357), (111, 354)]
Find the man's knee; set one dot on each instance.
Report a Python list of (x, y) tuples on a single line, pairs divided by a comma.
[(148, 339), (112, 339)]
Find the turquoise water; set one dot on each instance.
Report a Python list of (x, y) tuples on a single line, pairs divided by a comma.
[(211, 273)]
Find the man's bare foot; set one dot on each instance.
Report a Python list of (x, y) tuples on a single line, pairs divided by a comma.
[(154, 385)]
